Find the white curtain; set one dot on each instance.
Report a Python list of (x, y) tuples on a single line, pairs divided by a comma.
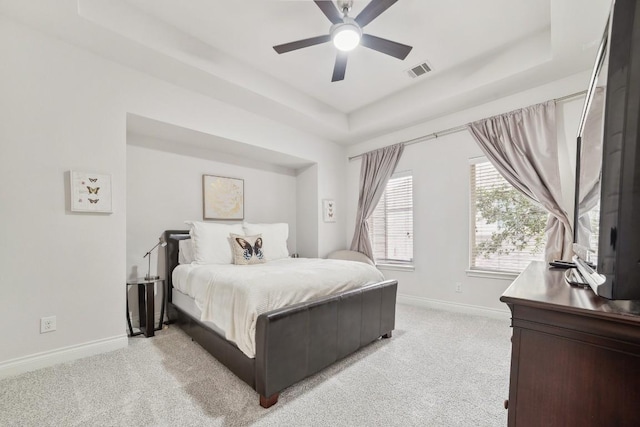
[(523, 147), (377, 167)]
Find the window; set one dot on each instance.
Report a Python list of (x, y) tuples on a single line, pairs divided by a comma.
[(507, 229), (391, 224)]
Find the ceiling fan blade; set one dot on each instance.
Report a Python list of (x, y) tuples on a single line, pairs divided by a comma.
[(299, 44), (330, 10), (397, 50), (373, 10), (340, 67)]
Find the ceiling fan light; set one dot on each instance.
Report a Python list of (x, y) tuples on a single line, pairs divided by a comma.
[(346, 36)]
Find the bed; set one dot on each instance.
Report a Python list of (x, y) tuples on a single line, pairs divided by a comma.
[(292, 342)]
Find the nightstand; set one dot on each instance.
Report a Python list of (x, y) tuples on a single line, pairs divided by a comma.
[(146, 306)]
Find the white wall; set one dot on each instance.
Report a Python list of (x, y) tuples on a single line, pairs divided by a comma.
[(307, 206), (441, 197), (58, 114), (63, 108)]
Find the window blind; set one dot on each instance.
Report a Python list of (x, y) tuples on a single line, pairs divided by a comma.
[(391, 224), (509, 211)]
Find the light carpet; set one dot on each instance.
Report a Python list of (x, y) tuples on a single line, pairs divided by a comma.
[(439, 369)]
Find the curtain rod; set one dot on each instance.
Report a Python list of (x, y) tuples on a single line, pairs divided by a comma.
[(460, 128)]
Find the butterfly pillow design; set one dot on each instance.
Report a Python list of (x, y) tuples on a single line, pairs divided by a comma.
[(247, 249)]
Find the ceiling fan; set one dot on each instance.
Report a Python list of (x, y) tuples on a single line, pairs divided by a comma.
[(346, 33)]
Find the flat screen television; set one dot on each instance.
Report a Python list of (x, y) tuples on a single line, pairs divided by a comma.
[(612, 245)]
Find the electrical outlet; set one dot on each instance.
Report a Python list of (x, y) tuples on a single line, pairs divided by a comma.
[(458, 287), (47, 324)]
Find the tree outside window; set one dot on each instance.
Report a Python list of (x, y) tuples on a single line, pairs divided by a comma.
[(507, 228)]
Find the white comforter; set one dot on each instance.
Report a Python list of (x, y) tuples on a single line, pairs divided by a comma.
[(232, 296)]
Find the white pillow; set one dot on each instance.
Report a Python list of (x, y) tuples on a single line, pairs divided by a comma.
[(185, 251), (275, 238), (211, 241)]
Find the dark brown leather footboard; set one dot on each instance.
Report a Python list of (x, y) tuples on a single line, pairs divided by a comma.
[(295, 342)]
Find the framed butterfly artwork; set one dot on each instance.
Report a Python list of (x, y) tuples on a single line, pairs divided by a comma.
[(329, 210), (90, 192)]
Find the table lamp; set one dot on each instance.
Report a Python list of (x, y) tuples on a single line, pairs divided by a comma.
[(162, 243)]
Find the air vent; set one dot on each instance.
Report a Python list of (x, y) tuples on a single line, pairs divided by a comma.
[(419, 70)]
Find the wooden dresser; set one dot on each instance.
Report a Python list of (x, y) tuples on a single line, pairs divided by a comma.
[(575, 357)]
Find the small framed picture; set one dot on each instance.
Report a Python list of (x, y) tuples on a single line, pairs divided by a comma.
[(90, 192), (329, 210), (222, 197)]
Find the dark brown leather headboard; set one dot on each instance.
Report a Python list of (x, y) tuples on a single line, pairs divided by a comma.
[(172, 237)]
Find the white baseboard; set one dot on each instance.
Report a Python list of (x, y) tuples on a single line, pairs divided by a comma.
[(454, 306), (61, 355)]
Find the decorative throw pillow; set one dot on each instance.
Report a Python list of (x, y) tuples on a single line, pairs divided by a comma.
[(247, 249)]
